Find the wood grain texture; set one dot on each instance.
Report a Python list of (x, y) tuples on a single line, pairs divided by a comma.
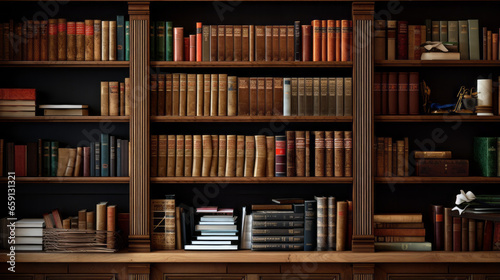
[(253, 180), (276, 119), (250, 64)]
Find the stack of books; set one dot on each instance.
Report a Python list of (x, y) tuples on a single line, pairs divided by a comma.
[(29, 235), (17, 102), (217, 228), (400, 232), (64, 110)]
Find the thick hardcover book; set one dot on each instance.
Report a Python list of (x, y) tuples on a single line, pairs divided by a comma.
[(332, 97), (322, 224), (268, 97), (197, 155), (485, 156), (330, 40), (260, 156), (402, 40), (457, 234), (249, 156), (260, 43), (153, 94), (347, 153), (175, 94), (316, 40), (448, 230), (182, 94), (397, 218), (20, 161), (309, 97), (260, 101), (278, 216), (270, 142), (246, 45), (316, 96), (277, 246), (300, 153), (230, 164), (463, 39), (207, 155), (277, 108), (112, 156), (98, 39), (413, 94), (339, 153), (301, 97), (179, 155), (280, 148), (488, 235), (392, 93), (279, 232), (272, 207), (89, 39), (54, 151), (465, 234), (191, 95), (275, 52), (319, 153), (61, 40), (277, 224), (403, 246), (214, 94), (384, 93), (332, 224), (127, 40), (104, 155), (70, 46), (442, 167), (310, 223), (199, 41), (159, 151), (229, 43), (391, 39), (339, 92), (399, 225), (240, 155), (473, 25), (294, 97), (251, 43), (232, 96), (205, 44), (104, 46), (287, 97), (162, 99), (237, 42), (244, 96), (329, 154), (400, 232), (112, 40), (347, 96), (342, 213), (345, 49), (44, 35), (402, 97), (188, 155), (114, 98), (380, 40), (215, 156), (308, 154), (277, 239), (283, 56), (52, 26), (207, 91), (221, 43), (97, 159), (222, 94), (323, 96), (213, 42), (306, 42), (290, 154), (178, 44), (120, 38), (152, 40), (169, 41), (432, 154)]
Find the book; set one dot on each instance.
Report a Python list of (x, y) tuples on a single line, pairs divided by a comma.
[(341, 226), (249, 156), (322, 223), (319, 153), (260, 156), (290, 154), (485, 156), (397, 218), (403, 246), (457, 234), (280, 161)]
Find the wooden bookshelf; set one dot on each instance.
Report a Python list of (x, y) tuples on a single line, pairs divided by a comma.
[(68, 119), (437, 180), (436, 118), (252, 180), (66, 64), (477, 216), (75, 180), (252, 119), (252, 64), (437, 63)]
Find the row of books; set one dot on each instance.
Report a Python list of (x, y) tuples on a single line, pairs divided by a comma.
[(108, 157), (396, 93), (392, 158), (115, 98), (181, 94), (17, 102), (323, 40), (290, 155), (61, 40), (490, 44), (398, 40), (400, 232)]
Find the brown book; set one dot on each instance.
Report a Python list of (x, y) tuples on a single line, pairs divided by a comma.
[(175, 94), (192, 47), (89, 40), (489, 45), (230, 156), (306, 42), (385, 93), (267, 95), (400, 158), (268, 43), (348, 153), (232, 97), (332, 224), (448, 230), (191, 95), (44, 38), (276, 42), (282, 43), (389, 163), (240, 155), (90, 220), (221, 43), (101, 214), (104, 46), (442, 167), (339, 153), (162, 224), (488, 236), (182, 94), (301, 96), (168, 95), (329, 154), (278, 97), (270, 143), (161, 150), (290, 43), (188, 155), (153, 94), (207, 155), (244, 96), (249, 156), (479, 235), (341, 225), (53, 47), (399, 232), (465, 234), (104, 98), (200, 94), (403, 96), (330, 41), (112, 40), (78, 162), (114, 99), (494, 46), (300, 145), (267, 207), (215, 156), (251, 43), (111, 226), (309, 98), (214, 94), (319, 153), (438, 226), (432, 154), (237, 29), (398, 218), (70, 166), (229, 42), (457, 234), (154, 155), (380, 157), (260, 156), (322, 223), (399, 239), (316, 96), (178, 228), (197, 155), (222, 108), (290, 154), (308, 154), (392, 93), (179, 156), (399, 225), (316, 40), (97, 39), (323, 97), (161, 95), (221, 171), (472, 235), (245, 43), (344, 49), (253, 95), (70, 46), (394, 159), (213, 42), (258, 96), (407, 156), (260, 43), (323, 41), (207, 91), (82, 219), (178, 45), (294, 111)]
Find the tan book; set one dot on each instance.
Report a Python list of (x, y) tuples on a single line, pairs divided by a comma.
[(308, 153), (260, 43), (182, 94), (230, 156), (171, 150), (199, 95), (232, 95), (222, 102), (153, 94), (341, 225), (319, 153), (348, 153), (62, 161), (339, 153), (229, 40), (252, 96), (215, 156), (197, 155), (300, 153), (207, 155), (80, 41), (114, 99), (127, 97), (240, 155), (221, 43), (89, 40), (269, 95), (251, 43), (160, 108), (261, 97), (260, 156), (154, 155), (97, 39), (52, 41), (162, 224), (397, 218), (221, 170), (301, 97), (168, 95), (67, 223), (431, 154), (78, 162), (290, 154), (101, 214), (249, 156), (283, 43), (112, 40), (214, 94), (179, 156), (465, 234), (245, 43), (270, 144), (104, 46), (61, 39), (122, 99), (269, 43), (70, 165), (90, 220), (104, 98), (175, 94), (188, 155), (191, 95), (111, 226), (237, 42), (329, 154), (400, 150), (162, 155), (207, 91)]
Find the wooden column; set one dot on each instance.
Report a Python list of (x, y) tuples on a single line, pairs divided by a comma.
[(362, 15), (139, 272), (139, 239)]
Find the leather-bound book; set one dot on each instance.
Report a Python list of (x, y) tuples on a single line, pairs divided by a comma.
[(215, 156), (162, 154), (200, 94), (86, 162), (222, 110), (287, 97), (110, 226), (277, 109), (179, 156), (245, 43), (322, 223), (262, 95), (479, 235), (244, 96), (407, 156), (205, 43), (342, 213), (182, 94), (213, 42), (351, 44), (153, 94), (319, 153), (301, 96), (97, 39), (290, 154), (230, 156), (154, 155), (44, 38), (488, 235), (152, 40), (306, 43), (316, 40), (330, 40), (294, 98), (465, 235), (448, 230), (385, 93), (71, 44), (221, 170), (394, 159), (122, 99), (240, 155), (309, 99), (160, 41), (323, 40), (413, 94), (308, 153), (101, 214), (260, 156), (104, 46), (188, 155), (198, 40), (388, 157), (488, 44), (339, 93), (339, 153), (276, 42), (442, 168), (403, 97), (232, 98), (89, 39), (90, 220), (297, 36), (32, 154), (207, 90), (300, 145), (237, 43), (214, 92), (282, 43), (191, 95), (104, 98), (249, 156), (192, 47), (400, 146), (260, 43), (457, 234), (178, 44), (380, 40), (161, 95), (53, 51), (270, 144), (392, 93), (329, 154), (207, 155), (472, 235), (268, 29), (229, 41), (197, 155), (114, 98), (331, 223), (348, 96), (323, 88), (494, 46), (221, 43), (402, 40), (338, 40), (345, 41), (377, 93), (175, 94), (290, 43), (438, 225), (280, 151), (391, 39), (251, 43)]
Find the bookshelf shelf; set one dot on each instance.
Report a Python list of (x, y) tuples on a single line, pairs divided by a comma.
[(437, 63), (438, 180), (436, 118), (251, 64), (68, 119), (77, 180), (252, 119), (250, 180), (66, 64)]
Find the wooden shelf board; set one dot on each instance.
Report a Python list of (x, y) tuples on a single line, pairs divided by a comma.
[(437, 63), (250, 180), (81, 180), (67, 119), (438, 180), (249, 64), (68, 64), (245, 256), (252, 119), (436, 118)]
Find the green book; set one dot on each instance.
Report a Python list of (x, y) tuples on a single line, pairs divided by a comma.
[(443, 31), (428, 29), (485, 156), (152, 42), (403, 246), (104, 155), (120, 38), (54, 147), (169, 39), (473, 39), (463, 40), (160, 40), (46, 159), (453, 31), (127, 40)]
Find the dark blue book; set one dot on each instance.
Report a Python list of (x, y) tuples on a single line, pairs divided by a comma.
[(310, 225), (92, 159), (127, 40), (119, 158), (112, 156), (97, 159), (105, 155), (120, 38), (124, 158)]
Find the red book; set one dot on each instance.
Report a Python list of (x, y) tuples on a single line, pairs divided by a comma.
[(377, 93), (417, 42), (399, 232), (338, 40), (280, 146), (351, 45), (178, 43), (306, 42), (44, 38), (392, 93), (17, 94), (403, 93), (192, 48), (457, 234), (330, 30), (20, 160), (316, 41), (344, 49), (488, 236), (36, 40), (413, 93), (496, 236), (438, 223), (199, 41), (402, 42), (323, 40), (187, 45), (57, 218), (385, 93), (86, 161)]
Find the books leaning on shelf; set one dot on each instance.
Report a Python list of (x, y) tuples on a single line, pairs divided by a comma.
[(400, 232), (392, 158), (115, 98), (64, 110), (62, 40), (396, 93), (108, 157), (17, 102), (322, 40), (180, 94)]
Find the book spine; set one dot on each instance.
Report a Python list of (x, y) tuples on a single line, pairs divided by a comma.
[(319, 153), (229, 43), (279, 232), (322, 223), (316, 40), (214, 94), (89, 40), (270, 146), (260, 156), (182, 94), (197, 155), (188, 155), (104, 46), (179, 156), (277, 224), (392, 93), (244, 97), (120, 38), (53, 47), (465, 234), (332, 223), (269, 96), (222, 95), (249, 156), (169, 41), (308, 154), (192, 48), (127, 40), (402, 97), (402, 40), (277, 246), (306, 42), (277, 239), (413, 93), (297, 44), (112, 156), (473, 25), (207, 155), (61, 40), (280, 148), (240, 155), (278, 216), (341, 225), (71, 44), (178, 44), (104, 155), (54, 148), (112, 40), (290, 154), (97, 39), (300, 153), (245, 42), (457, 234), (207, 91), (221, 43), (339, 92), (222, 155), (191, 95), (472, 235), (278, 92), (237, 34), (391, 39), (152, 40), (215, 156)]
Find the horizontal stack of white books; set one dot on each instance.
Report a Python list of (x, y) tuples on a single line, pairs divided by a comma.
[(217, 230)]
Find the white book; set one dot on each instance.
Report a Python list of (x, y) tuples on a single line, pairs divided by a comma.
[(216, 223), (29, 240), (218, 218), (211, 247), (217, 233), (35, 232), (211, 242), (440, 56), (217, 237), (287, 97), (30, 223), (25, 247), (63, 106), (17, 108), (216, 227)]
